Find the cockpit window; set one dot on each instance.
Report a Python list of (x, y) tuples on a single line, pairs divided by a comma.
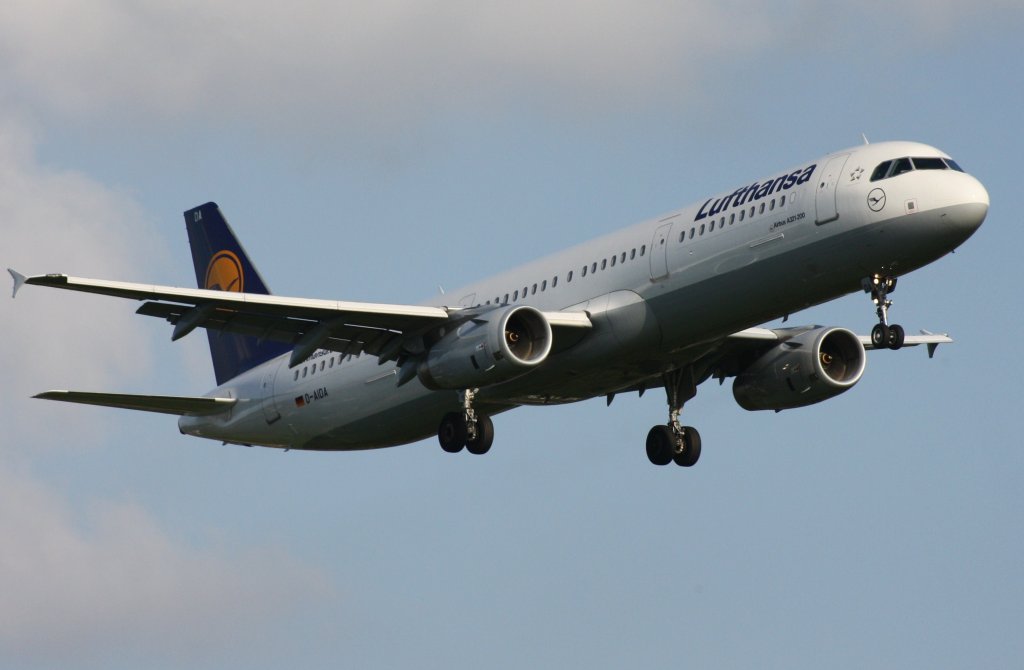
[(929, 164), (881, 171), (898, 166)]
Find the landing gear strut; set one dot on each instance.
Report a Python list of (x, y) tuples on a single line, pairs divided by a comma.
[(883, 335), (675, 442), (466, 429)]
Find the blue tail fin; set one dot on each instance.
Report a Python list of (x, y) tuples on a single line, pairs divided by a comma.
[(222, 264)]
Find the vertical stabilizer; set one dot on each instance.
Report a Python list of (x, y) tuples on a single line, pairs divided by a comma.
[(222, 264)]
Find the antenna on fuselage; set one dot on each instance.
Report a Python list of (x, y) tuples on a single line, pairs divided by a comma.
[(865, 138)]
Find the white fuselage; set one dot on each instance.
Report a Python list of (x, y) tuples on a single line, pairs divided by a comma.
[(659, 294)]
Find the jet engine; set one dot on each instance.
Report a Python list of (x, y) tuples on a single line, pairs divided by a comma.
[(494, 347), (807, 368)]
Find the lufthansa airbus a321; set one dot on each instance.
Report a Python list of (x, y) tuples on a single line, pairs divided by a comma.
[(667, 303)]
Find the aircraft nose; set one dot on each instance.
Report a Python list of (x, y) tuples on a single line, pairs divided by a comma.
[(970, 206)]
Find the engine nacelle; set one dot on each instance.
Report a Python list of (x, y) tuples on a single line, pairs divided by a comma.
[(495, 347), (812, 366)]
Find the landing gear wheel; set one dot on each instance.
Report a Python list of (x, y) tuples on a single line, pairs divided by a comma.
[(896, 337), (484, 436), (661, 445), (452, 432), (690, 454), (880, 335)]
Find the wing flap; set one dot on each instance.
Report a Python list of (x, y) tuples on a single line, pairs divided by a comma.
[(162, 404)]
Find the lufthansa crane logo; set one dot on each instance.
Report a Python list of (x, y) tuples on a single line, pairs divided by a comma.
[(224, 273), (876, 200)]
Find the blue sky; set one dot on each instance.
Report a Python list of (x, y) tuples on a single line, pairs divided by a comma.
[(372, 151)]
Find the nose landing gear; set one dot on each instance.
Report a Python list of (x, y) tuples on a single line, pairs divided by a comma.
[(883, 335)]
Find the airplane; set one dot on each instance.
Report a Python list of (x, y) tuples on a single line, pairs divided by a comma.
[(669, 303)]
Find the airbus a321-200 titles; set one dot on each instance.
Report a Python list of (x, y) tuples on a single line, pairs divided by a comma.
[(667, 303)]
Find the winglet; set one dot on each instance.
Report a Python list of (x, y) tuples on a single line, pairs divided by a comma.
[(19, 281), (932, 346)]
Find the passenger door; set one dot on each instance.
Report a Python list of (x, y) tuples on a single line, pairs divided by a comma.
[(270, 412), (659, 252), (825, 194)]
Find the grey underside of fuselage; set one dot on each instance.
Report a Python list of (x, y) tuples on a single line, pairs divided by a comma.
[(686, 316)]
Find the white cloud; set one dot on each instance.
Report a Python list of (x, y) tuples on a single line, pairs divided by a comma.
[(80, 582), (80, 587), (365, 61), (62, 221), (357, 66)]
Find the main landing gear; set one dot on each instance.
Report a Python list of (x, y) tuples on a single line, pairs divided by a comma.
[(466, 429), (883, 335), (675, 442)]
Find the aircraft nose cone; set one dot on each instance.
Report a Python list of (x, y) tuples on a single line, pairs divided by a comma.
[(971, 208)]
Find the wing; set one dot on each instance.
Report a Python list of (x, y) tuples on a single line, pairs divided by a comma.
[(383, 330), (728, 357), (162, 404), (931, 340)]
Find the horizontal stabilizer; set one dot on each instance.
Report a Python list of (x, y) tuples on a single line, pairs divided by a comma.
[(164, 404)]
